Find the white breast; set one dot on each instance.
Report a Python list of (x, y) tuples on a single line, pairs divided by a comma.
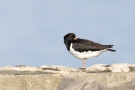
[(85, 55)]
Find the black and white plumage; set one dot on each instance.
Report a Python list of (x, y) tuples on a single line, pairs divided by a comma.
[(84, 49)]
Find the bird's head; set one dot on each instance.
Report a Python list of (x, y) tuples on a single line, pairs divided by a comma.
[(70, 37)]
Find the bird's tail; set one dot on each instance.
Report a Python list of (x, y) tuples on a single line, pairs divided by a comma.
[(110, 46), (111, 50)]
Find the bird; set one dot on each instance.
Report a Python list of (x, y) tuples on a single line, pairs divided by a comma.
[(83, 48)]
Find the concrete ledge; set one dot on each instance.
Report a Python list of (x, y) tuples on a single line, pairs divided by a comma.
[(30, 82), (95, 77)]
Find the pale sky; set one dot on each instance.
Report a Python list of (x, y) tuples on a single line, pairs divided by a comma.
[(31, 31)]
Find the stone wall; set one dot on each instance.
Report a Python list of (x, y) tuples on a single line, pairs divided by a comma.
[(96, 77)]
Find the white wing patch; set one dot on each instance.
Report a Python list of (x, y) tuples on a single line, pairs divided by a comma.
[(86, 54)]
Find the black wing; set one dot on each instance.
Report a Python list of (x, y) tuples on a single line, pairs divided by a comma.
[(82, 45)]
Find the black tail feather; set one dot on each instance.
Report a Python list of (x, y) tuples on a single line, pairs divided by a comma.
[(110, 46), (111, 50)]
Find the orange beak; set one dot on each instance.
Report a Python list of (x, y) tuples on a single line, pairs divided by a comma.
[(75, 38)]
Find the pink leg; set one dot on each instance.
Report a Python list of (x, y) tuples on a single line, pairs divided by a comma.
[(84, 63)]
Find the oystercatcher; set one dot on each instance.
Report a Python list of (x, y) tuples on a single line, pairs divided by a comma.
[(84, 49)]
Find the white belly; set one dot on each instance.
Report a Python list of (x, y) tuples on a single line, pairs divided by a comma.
[(85, 55)]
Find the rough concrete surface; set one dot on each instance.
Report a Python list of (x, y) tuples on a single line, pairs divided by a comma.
[(92, 84), (75, 84), (96, 77), (29, 82)]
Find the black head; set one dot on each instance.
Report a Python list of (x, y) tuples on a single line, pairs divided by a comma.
[(69, 37)]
